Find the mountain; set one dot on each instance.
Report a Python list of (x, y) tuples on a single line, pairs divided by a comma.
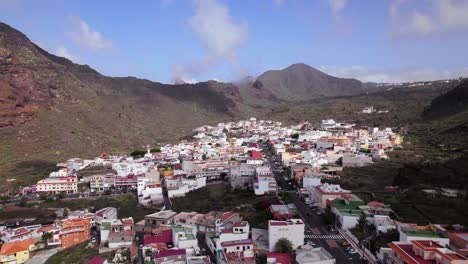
[(53, 109), (450, 103), (300, 82)]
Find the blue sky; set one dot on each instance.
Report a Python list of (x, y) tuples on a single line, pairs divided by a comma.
[(196, 40)]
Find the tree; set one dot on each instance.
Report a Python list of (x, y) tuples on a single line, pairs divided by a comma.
[(138, 153), (60, 196), (46, 236), (155, 150), (24, 201), (283, 245), (362, 221)]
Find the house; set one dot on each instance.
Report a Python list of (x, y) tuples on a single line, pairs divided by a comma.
[(121, 233), (108, 213), (160, 235), (187, 218), (321, 194), (74, 231), (207, 223), (159, 218), (242, 175), (16, 234), (347, 211), (237, 252), (256, 158), (383, 223), (264, 182), (292, 229), (459, 242), (309, 255), (410, 232), (101, 183), (16, 252), (280, 212), (311, 180), (170, 256), (198, 260), (184, 237), (423, 252), (226, 221)]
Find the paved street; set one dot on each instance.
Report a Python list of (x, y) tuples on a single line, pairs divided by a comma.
[(316, 229)]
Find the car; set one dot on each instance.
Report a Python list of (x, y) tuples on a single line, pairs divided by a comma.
[(311, 243), (352, 251), (345, 243), (93, 240)]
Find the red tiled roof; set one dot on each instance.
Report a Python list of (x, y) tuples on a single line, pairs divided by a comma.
[(16, 246), (170, 252), (406, 252), (278, 223), (375, 204), (226, 216), (97, 260), (282, 258)]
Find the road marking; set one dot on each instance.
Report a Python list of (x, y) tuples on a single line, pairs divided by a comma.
[(334, 237)]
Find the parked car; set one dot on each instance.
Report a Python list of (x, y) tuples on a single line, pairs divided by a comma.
[(351, 251)]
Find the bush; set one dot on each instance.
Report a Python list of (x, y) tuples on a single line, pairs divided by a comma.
[(283, 245), (138, 153)]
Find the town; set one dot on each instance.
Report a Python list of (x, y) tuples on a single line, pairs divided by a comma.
[(297, 213)]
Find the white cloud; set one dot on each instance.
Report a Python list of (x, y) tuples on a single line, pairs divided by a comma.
[(61, 51), (82, 34), (219, 35), (453, 15), (441, 16), (216, 30), (337, 6), (419, 24), (392, 76)]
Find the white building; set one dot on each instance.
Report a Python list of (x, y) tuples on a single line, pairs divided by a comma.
[(328, 123), (309, 255), (264, 182), (292, 230), (311, 181), (67, 184)]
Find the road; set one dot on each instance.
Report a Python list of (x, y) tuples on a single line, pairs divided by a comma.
[(316, 229)]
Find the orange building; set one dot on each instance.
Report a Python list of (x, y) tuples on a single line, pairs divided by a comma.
[(74, 231)]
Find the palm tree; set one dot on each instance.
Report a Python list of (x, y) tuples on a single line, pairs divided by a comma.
[(46, 236), (283, 245)]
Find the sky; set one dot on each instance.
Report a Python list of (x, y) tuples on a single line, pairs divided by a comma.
[(226, 40)]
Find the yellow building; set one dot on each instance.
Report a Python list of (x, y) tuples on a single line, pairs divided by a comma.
[(16, 252)]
